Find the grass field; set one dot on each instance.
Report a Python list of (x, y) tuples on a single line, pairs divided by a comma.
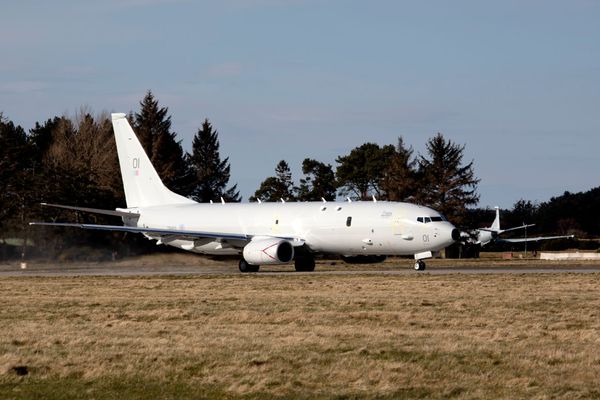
[(356, 336)]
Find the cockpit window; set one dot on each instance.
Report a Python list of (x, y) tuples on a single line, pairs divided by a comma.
[(426, 220)]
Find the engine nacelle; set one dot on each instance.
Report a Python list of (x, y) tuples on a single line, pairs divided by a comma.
[(268, 251)]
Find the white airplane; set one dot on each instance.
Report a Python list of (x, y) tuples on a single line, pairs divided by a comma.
[(266, 233), (483, 236)]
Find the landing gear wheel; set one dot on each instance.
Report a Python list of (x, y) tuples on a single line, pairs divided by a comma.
[(419, 265), (305, 264), (245, 267)]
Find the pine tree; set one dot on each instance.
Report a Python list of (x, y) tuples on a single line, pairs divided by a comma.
[(448, 186), (318, 181), (153, 128), (40, 137), (361, 171), (278, 187), (211, 174), (398, 182), (15, 164)]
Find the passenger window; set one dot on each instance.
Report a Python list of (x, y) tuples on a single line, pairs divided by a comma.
[(276, 222), (348, 221)]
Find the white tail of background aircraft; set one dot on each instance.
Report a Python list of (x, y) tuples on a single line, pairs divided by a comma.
[(271, 232)]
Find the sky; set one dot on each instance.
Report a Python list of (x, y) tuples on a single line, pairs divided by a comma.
[(516, 82)]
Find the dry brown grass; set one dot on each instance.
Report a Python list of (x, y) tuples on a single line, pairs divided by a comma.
[(415, 336)]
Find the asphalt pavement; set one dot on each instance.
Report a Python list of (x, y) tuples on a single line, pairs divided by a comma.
[(131, 269)]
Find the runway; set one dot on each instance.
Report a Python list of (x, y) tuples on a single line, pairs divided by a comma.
[(125, 270)]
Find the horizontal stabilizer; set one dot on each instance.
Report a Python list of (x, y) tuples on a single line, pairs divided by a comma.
[(94, 210)]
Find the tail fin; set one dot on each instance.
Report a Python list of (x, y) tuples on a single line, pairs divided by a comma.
[(143, 187), (496, 224)]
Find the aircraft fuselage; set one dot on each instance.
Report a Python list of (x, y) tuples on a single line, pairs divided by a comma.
[(356, 228)]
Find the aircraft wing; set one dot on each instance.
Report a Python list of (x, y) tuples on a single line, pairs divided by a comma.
[(516, 228), (170, 233), (534, 239), (505, 230)]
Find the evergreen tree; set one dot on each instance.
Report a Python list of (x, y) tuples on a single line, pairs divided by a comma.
[(398, 182), (211, 174), (360, 172), (40, 137), (570, 213), (523, 212), (318, 181), (278, 187), (153, 128), (15, 174), (447, 186)]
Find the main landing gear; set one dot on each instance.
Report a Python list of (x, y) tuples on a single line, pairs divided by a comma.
[(419, 265), (245, 267), (304, 264)]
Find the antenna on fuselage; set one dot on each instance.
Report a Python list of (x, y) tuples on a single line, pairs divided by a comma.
[(349, 200), (211, 201), (374, 199), (259, 201), (323, 198), (282, 200), (222, 200)]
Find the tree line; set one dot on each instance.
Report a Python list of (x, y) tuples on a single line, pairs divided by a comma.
[(440, 178), (73, 160)]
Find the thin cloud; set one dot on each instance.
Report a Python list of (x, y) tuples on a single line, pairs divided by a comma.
[(21, 87)]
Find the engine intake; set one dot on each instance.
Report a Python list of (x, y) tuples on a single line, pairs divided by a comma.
[(268, 251)]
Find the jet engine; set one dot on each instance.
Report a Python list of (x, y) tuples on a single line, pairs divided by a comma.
[(268, 251)]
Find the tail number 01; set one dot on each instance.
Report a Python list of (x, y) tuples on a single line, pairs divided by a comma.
[(425, 238), (136, 163)]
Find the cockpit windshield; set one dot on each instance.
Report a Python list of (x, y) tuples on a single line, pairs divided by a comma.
[(426, 220)]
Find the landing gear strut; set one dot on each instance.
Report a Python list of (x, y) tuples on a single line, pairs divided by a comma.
[(245, 267), (419, 265)]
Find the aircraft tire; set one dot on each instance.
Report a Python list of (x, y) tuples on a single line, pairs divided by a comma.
[(419, 265), (305, 264), (245, 267)]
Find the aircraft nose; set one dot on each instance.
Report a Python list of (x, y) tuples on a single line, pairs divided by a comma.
[(455, 234)]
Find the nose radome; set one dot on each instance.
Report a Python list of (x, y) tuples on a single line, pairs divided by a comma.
[(455, 234)]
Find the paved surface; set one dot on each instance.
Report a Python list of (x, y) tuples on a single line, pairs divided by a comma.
[(120, 269)]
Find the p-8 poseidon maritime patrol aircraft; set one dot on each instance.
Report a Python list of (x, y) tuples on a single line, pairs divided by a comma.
[(266, 233)]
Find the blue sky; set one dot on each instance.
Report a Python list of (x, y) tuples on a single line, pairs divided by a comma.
[(517, 82)]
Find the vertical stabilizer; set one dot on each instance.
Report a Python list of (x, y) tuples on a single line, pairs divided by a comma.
[(496, 224), (143, 187)]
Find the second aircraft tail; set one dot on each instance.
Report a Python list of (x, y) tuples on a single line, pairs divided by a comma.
[(143, 187)]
